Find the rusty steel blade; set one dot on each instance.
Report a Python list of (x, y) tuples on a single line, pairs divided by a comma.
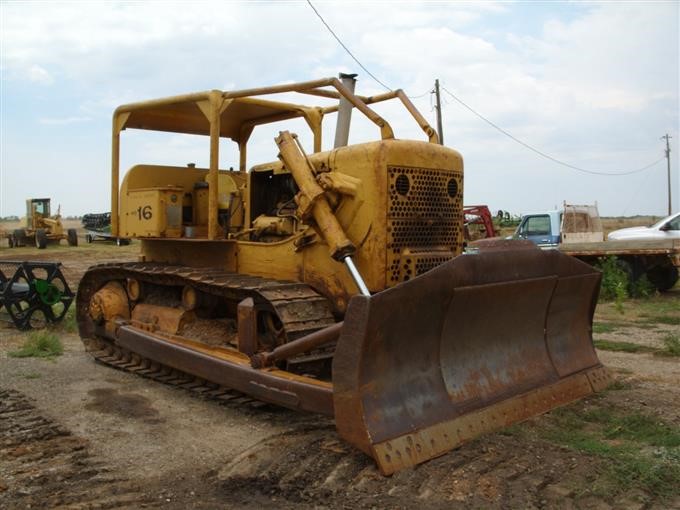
[(478, 343)]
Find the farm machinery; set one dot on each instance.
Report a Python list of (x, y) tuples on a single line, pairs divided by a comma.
[(478, 223), (333, 281), (33, 294), (98, 228), (40, 227)]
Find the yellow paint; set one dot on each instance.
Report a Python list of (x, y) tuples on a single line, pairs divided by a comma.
[(217, 209)]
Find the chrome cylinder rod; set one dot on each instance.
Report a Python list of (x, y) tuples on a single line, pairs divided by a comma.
[(356, 276)]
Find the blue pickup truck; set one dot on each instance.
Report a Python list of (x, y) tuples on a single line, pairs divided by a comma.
[(571, 224), (543, 229)]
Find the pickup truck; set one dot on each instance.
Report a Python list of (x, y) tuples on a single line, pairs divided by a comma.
[(577, 231)]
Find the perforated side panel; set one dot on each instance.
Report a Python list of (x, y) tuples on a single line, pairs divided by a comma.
[(424, 220)]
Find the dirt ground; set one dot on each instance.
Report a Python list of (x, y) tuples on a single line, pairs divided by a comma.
[(78, 434)]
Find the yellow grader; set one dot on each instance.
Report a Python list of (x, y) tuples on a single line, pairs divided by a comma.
[(334, 281), (40, 227)]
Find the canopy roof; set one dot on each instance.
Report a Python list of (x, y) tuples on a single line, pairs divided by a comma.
[(189, 114)]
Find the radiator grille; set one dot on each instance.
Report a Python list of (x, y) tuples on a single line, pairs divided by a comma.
[(424, 219)]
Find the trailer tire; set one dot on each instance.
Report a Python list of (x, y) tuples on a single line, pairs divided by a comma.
[(72, 237), (88, 238), (19, 237), (40, 239), (627, 267), (663, 277)]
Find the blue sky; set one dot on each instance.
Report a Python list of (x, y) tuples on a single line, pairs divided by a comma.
[(591, 84)]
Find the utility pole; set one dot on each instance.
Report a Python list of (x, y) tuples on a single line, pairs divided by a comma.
[(438, 107), (668, 161)]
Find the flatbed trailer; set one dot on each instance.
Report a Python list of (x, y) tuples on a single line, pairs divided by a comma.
[(577, 230), (98, 228), (659, 259), (93, 235)]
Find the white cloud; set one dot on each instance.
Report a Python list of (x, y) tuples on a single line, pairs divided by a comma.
[(38, 74), (595, 88), (62, 121)]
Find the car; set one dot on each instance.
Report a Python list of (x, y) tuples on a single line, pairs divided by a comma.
[(667, 228)]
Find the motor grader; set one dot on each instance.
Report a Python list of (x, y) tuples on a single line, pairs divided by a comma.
[(333, 281), (40, 228)]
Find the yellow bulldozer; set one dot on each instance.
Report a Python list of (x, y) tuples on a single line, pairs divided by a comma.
[(333, 281), (40, 227)]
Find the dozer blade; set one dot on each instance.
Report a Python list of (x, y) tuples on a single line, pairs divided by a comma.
[(471, 346)]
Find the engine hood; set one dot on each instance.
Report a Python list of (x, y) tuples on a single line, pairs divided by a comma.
[(635, 233)]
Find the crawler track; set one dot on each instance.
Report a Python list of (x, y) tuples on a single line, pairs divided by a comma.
[(300, 309), (122, 359)]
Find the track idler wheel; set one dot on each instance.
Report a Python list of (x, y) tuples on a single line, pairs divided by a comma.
[(109, 303)]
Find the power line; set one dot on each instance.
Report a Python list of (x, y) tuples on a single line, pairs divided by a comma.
[(345, 47), (636, 192), (356, 59), (430, 91), (543, 154), (537, 151)]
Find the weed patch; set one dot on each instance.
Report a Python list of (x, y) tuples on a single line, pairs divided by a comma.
[(40, 344), (605, 327), (664, 319), (614, 285), (644, 452), (608, 345), (620, 385), (671, 346), (68, 323), (641, 288)]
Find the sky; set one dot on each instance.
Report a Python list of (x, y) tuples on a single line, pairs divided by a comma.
[(594, 85)]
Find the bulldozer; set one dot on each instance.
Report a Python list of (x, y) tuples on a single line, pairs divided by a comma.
[(40, 228), (333, 281)]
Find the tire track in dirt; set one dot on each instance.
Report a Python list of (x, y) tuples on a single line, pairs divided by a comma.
[(43, 465), (308, 467)]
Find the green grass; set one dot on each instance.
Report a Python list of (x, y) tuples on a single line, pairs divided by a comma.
[(614, 284), (640, 428), (664, 319), (622, 370), (68, 323), (671, 345), (642, 451), (620, 385), (40, 344), (605, 327), (513, 430), (656, 306), (610, 345)]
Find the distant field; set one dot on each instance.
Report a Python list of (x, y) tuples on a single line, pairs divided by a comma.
[(11, 225), (616, 223), (608, 223)]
